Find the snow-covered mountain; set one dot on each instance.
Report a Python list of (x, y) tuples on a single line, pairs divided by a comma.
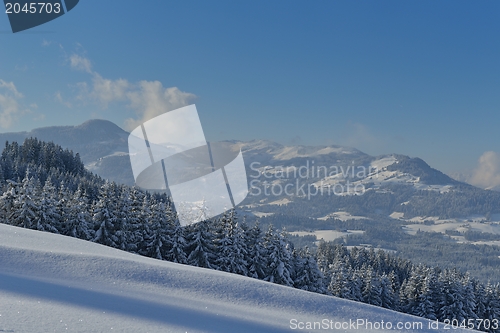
[(53, 283), (93, 139), (102, 146), (309, 178)]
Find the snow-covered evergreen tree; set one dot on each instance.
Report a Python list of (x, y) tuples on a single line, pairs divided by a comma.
[(7, 200), (356, 284), (388, 298), (372, 289), (326, 257), (491, 309), (199, 246), (25, 206), (144, 228), (469, 298), (47, 216), (79, 218), (157, 241), (232, 249), (63, 198), (340, 282), (176, 252), (104, 217), (278, 258), (452, 301), (124, 216), (307, 274), (257, 263), (428, 298), (135, 237), (411, 291)]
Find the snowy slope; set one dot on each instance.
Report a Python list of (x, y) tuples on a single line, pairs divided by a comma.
[(52, 283)]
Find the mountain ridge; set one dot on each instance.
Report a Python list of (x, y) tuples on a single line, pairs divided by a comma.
[(105, 132), (78, 138), (102, 146)]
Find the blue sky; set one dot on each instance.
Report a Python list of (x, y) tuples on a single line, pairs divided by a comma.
[(420, 78)]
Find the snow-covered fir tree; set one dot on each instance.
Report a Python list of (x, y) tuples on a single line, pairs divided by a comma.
[(256, 260), (104, 216), (25, 205), (200, 247), (7, 202), (232, 250), (427, 301), (278, 258), (177, 253), (307, 273), (372, 288), (135, 237), (451, 305), (158, 237), (79, 219), (340, 281), (63, 196), (48, 218), (387, 293)]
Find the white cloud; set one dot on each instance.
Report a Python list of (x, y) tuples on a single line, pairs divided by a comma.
[(80, 63), (10, 107), (487, 172), (9, 110), (151, 99), (9, 86), (147, 98), (106, 91)]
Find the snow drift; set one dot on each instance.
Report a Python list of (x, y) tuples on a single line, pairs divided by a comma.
[(53, 283)]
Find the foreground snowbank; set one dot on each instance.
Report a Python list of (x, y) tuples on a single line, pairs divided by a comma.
[(52, 283)]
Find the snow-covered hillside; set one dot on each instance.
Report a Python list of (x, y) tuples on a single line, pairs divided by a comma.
[(52, 283)]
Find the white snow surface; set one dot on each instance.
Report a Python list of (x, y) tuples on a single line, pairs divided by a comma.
[(53, 283), (343, 216), (287, 153), (378, 175), (328, 235), (383, 162)]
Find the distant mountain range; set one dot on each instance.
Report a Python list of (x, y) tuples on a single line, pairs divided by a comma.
[(310, 181)]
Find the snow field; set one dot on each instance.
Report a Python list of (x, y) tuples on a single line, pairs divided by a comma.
[(53, 283)]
